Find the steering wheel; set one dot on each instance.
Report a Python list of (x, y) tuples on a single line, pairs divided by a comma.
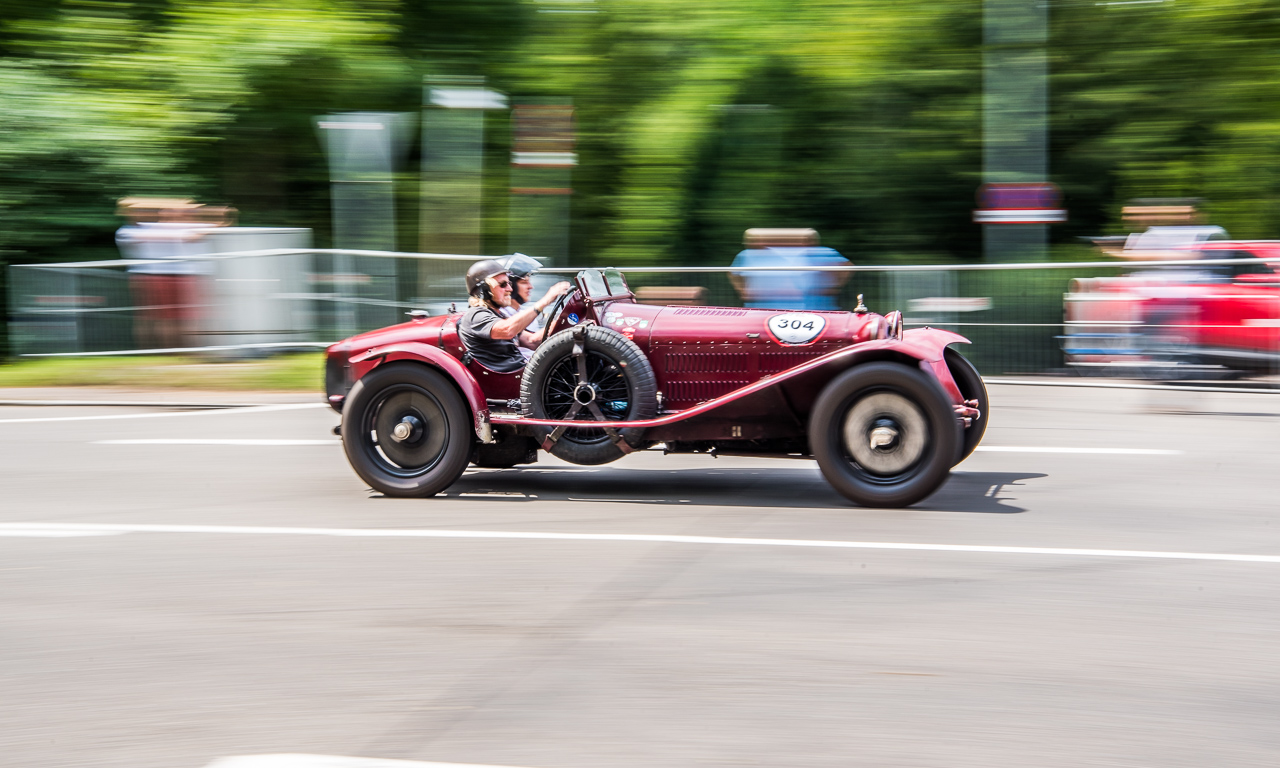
[(553, 316)]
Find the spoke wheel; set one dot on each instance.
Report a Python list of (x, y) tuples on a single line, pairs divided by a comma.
[(884, 434), (589, 386), (406, 430)]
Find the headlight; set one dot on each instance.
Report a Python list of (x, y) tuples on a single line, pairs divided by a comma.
[(894, 322)]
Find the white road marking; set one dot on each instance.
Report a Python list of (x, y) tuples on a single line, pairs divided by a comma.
[(523, 470), (327, 761), (126, 403), (213, 441), (1126, 385), (427, 533), (1099, 451), (211, 412), (52, 533), (624, 501), (498, 494)]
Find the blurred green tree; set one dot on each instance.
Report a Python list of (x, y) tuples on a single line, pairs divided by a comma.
[(695, 119)]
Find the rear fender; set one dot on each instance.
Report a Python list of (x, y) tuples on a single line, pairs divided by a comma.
[(437, 358)]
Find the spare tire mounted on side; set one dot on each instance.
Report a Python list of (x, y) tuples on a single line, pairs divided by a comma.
[(589, 373)]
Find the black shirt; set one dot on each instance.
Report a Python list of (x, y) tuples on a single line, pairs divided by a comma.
[(501, 355)]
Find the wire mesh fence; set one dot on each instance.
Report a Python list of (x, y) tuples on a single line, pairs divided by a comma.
[(237, 302), (1013, 313)]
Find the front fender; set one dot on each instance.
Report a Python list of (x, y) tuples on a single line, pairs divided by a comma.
[(926, 346), (930, 346), (418, 352), (929, 343)]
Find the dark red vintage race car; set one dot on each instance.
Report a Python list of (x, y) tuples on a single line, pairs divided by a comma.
[(886, 414)]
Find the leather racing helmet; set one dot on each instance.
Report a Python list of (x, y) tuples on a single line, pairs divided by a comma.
[(480, 272), (520, 266)]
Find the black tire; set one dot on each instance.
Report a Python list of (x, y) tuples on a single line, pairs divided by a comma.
[(971, 388), (914, 414), (622, 388), (438, 447)]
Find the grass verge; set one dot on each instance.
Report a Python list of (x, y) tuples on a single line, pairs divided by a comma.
[(292, 372)]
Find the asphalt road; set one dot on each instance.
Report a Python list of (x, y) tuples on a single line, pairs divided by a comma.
[(253, 617)]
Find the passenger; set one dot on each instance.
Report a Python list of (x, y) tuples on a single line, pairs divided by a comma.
[(489, 337), (521, 269)]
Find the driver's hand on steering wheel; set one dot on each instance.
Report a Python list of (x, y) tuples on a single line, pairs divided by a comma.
[(555, 292)]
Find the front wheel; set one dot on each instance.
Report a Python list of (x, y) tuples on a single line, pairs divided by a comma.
[(406, 430), (971, 388), (884, 435)]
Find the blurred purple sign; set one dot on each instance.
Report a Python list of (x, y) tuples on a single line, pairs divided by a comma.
[(1036, 202)]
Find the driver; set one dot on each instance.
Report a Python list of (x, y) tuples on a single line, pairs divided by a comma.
[(489, 337)]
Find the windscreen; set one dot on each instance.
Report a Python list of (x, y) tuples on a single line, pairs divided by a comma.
[(617, 285), (593, 284)]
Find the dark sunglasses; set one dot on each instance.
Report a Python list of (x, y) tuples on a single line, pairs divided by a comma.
[(504, 284)]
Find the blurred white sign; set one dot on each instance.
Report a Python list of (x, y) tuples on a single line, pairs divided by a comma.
[(467, 98), (949, 304)]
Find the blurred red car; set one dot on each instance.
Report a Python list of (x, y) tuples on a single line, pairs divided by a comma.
[(1215, 309)]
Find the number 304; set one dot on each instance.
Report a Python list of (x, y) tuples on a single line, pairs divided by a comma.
[(795, 325)]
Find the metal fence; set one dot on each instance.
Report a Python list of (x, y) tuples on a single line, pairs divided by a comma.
[(241, 302), (282, 298)]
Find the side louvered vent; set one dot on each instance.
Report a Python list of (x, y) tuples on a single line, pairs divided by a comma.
[(709, 311), (698, 391), (773, 362), (712, 362)]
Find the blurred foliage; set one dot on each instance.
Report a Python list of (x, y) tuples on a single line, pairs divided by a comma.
[(302, 372), (696, 119)]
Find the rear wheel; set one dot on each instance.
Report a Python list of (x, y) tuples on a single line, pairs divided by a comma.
[(971, 388), (406, 430), (884, 435)]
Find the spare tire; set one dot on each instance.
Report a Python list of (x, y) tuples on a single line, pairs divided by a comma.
[(589, 373)]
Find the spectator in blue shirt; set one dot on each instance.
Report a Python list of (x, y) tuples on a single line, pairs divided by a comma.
[(783, 289)]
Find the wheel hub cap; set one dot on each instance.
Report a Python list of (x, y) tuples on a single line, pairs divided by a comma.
[(409, 429), (884, 437), (584, 394), (885, 433)]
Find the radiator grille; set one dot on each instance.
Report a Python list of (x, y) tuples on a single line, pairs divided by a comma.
[(698, 391), (712, 362), (335, 376)]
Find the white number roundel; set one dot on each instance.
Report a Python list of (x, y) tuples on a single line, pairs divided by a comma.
[(796, 327)]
